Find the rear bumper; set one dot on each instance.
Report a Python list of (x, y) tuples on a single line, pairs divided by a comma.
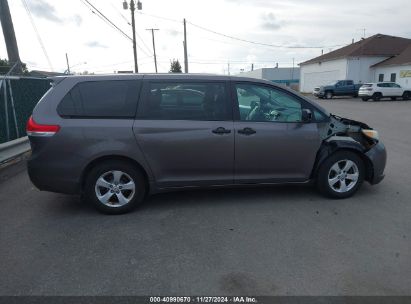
[(48, 178), (378, 157)]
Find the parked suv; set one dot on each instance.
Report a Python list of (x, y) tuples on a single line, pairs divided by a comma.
[(115, 139), (377, 91)]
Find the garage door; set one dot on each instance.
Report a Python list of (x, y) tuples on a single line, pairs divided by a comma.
[(315, 79)]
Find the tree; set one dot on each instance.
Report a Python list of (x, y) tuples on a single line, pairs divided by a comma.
[(175, 66), (5, 66)]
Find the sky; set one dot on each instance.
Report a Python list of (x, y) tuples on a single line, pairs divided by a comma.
[(70, 26)]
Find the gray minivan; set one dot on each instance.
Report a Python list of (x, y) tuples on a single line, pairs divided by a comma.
[(116, 138)]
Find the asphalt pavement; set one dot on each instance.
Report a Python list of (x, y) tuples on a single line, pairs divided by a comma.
[(282, 240)]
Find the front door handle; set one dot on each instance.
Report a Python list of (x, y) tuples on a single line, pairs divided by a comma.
[(247, 131), (221, 130)]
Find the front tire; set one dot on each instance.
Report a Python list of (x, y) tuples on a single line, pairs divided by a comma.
[(406, 95), (115, 187), (340, 175), (376, 96), (328, 95)]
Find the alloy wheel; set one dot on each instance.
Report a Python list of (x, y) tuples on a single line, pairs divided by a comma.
[(343, 176), (115, 188)]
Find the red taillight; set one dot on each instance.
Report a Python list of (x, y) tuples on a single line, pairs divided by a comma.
[(35, 129)]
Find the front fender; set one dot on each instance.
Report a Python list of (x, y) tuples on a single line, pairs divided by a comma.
[(333, 144)]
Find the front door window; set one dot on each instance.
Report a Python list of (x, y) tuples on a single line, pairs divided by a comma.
[(261, 103)]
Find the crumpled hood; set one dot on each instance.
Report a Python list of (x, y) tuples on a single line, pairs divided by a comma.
[(341, 126)]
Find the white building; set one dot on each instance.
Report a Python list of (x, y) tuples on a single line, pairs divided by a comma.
[(396, 69), (352, 62), (286, 76)]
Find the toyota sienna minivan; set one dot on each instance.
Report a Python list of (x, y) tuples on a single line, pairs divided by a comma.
[(114, 139)]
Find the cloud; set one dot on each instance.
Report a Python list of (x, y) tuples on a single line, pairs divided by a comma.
[(173, 32), (270, 22), (77, 20), (96, 44), (42, 9)]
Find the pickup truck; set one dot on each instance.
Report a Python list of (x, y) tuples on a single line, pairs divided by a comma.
[(337, 88)]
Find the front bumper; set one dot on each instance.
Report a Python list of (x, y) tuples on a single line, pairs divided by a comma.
[(378, 158), (318, 94)]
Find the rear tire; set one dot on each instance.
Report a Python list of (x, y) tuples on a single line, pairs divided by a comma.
[(365, 99), (115, 187), (376, 96), (340, 175)]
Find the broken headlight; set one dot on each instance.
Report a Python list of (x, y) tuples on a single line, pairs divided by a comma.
[(370, 134)]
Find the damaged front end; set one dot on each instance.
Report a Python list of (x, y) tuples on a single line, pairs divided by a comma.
[(342, 133), (342, 127)]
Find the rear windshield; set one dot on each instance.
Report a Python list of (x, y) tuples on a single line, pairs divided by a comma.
[(113, 98)]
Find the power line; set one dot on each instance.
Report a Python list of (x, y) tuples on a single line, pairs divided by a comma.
[(107, 20), (104, 18), (260, 43), (37, 34), (241, 39), (160, 17)]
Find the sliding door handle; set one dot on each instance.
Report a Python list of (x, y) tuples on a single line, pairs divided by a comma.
[(247, 131), (221, 130)]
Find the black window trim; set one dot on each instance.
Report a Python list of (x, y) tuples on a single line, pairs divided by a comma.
[(304, 103), (145, 91)]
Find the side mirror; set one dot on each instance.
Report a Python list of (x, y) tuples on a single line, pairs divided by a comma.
[(306, 115)]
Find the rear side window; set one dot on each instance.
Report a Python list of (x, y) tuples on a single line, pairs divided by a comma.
[(350, 82), (101, 99), (186, 101)]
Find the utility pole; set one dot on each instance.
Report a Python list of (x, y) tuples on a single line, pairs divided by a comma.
[(252, 67), (9, 35), (68, 65), (185, 48), (228, 68), (133, 25), (292, 71), (154, 46), (363, 30)]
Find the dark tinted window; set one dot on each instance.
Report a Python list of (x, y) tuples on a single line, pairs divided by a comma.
[(186, 101), (101, 99), (350, 82)]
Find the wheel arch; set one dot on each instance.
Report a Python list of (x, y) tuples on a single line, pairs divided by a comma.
[(101, 159), (333, 146)]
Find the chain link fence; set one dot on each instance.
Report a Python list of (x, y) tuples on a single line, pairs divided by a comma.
[(18, 96)]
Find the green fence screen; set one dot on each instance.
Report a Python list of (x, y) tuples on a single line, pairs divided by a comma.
[(26, 93)]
